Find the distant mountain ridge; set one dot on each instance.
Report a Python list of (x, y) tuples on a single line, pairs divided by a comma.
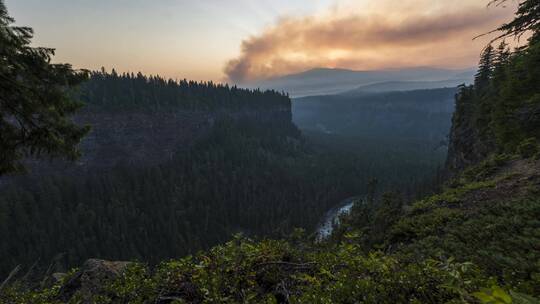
[(402, 86), (324, 81)]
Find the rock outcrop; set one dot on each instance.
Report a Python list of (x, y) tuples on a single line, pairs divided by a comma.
[(91, 279), (134, 138), (466, 147), (138, 138)]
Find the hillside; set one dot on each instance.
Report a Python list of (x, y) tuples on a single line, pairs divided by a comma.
[(395, 133), (457, 246), (420, 114), (393, 86)]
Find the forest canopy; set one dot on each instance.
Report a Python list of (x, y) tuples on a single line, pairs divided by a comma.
[(130, 91)]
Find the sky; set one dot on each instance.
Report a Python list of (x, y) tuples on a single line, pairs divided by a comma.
[(239, 41)]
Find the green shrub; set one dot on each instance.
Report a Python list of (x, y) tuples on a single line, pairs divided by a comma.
[(528, 147)]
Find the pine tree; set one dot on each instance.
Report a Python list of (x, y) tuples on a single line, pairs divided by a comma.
[(502, 58), (34, 105), (485, 69)]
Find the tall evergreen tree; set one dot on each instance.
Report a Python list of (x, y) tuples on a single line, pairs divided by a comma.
[(502, 58), (34, 104), (485, 69)]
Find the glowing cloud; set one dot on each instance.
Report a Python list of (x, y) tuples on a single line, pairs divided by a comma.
[(382, 35)]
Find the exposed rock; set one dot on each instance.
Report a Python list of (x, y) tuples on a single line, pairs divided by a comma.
[(186, 291), (529, 117), (137, 138), (53, 279), (466, 146), (58, 276), (134, 138), (515, 180), (150, 138), (91, 279), (469, 145)]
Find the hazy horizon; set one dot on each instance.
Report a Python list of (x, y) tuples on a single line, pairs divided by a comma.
[(241, 41)]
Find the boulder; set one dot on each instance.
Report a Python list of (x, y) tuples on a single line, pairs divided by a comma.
[(91, 279), (58, 276)]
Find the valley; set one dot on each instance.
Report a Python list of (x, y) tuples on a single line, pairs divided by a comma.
[(208, 159), (344, 152)]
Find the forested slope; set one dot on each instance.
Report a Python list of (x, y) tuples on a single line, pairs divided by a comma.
[(422, 115), (169, 168), (180, 169)]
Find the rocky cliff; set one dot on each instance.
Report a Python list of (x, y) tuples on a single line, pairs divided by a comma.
[(466, 146), (143, 138)]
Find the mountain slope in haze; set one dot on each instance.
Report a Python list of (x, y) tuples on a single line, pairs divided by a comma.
[(322, 81), (422, 114), (393, 86)]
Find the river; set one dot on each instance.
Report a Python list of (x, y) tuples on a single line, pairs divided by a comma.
[(327, 225)]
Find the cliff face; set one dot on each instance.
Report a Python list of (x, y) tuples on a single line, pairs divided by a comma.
[(139, 138), (469, 143), (466, 146)]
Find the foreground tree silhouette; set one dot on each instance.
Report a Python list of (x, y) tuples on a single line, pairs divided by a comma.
[(34, 101), (527, 18)]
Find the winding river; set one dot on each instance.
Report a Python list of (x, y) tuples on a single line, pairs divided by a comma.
[(332, 217)]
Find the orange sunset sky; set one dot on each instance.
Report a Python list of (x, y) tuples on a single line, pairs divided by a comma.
[(245, 40)]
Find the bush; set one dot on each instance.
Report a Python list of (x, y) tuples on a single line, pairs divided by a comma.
[(528, 147)]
